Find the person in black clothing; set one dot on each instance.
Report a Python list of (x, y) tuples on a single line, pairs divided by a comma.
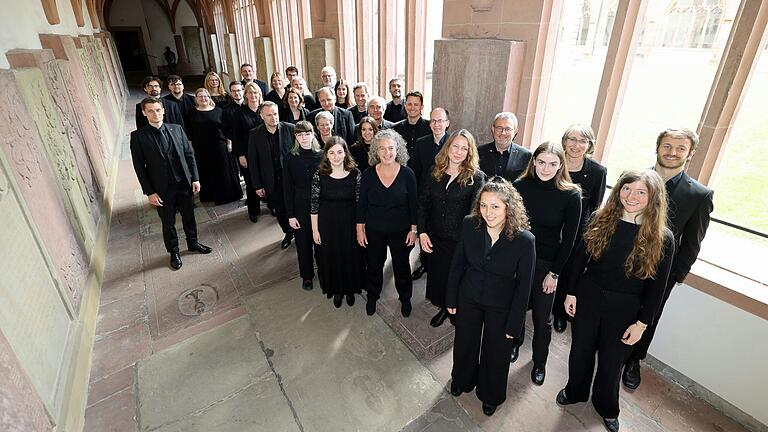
[(446, 195), (488, 287), (167, 171), (343, 122), (617, 280), (268, 145), (324, 122), (277, 93), (553, 204), (579, 142), (690, 206), (310, 102), (152, 86), (376, 112), (184, 101), (299, 167), (170, 59), (249, 75), (248, 118), (503, 157), (360, 93), (232, 110), (395, 109), (343, 94), (290, 73), (335, 190), (414, 126), (366, 130), (215, 87), (386, 217)]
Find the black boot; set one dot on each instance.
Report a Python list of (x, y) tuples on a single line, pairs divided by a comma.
[(631, 376)]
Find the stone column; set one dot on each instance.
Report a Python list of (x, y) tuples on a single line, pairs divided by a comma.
[(320, 52), (216, 63), (366, 60), (347, 40), (387, 46), (415, 41), (181, 52), (265, 61), (232, 59)]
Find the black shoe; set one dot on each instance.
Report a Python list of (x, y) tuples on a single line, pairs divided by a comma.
[(560, 324), (175, 260), (562, 399), (337, 300), (611, 424), (199, 247), (370, 307), (286, 241), (405, 308), (631, 376), (350, 300), (418, 273), (439, 317), (307, 285), (488, 409), (273, 212), (452, 319), (253, 218), (455, 390), (515, 352), (537, 375)]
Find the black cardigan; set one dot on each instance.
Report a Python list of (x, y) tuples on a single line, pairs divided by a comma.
[(441, 210)]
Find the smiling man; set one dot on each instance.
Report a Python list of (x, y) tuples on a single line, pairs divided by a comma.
[(414, 126), (503, 157), (152, 86)]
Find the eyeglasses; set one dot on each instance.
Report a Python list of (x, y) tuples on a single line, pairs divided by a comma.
[(303, 133), (576, 140), (501, 129), (437, 121)]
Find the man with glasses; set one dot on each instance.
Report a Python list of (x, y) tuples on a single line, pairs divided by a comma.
[(152, 86), (503, 157), (184, 101)]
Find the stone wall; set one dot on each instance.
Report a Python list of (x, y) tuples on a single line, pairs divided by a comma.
[(60, 120)]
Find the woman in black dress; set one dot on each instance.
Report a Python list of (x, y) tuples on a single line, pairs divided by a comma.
[(488, 287), (446, 196), (579, 143), (278, 89), (366, 130), (216, 90), (294, 110), (619, 272), (553, 204), (343, 94), (386, 217), (299, 166), (248, 117), (216, 167), (335, 188)]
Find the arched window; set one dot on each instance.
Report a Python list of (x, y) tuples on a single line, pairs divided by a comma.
[(583, 30), (693, 23)]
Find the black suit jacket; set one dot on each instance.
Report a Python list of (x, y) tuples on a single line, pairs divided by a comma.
[(423, 156), (260, 155), (690, 205), (343, 123), (172, 114), (150, 163), (516, 164), (501, 279)]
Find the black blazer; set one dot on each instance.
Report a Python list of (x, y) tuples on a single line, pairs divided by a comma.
[(690, 205), (501, 279), (423, 156), (592, 184), (343, 123), (260, 155), (442, 209), (150, 163), (172, 114), (516, 164)]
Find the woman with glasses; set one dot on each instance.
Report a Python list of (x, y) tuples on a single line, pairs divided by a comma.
[(579, 144), (248, 118), (553, 204), (298, 168), (446, 196), (277, 93), (215, 165), (216, 91)]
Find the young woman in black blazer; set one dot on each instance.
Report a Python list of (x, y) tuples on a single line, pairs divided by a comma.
[(446, 195), (579, 142), (553, 204), (488, 287), (618, 273)]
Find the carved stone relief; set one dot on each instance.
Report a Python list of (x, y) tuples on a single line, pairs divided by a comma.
[(21, 407)]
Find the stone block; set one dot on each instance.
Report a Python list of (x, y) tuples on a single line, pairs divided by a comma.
[(191, 36), (114, 414), (265, 60), (320, 52), (231, 56), (120, 349), (21, 407)]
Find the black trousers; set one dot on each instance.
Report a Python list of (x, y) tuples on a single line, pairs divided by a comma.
[(253, 200), (600, 322), (541, 306), (640, 350), (481, 351), (376, 256), (178, 196), (276, 202), (305, 248)]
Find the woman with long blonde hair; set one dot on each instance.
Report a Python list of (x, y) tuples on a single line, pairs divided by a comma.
[(216, 89), (619, 273)]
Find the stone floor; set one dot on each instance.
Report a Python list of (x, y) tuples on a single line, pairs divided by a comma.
[(232, 343)]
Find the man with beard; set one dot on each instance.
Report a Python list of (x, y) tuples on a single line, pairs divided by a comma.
[(184, 101), (414, 126), (503, 157), (360, 110), (395, 111), (249, 75), (690, 205), (152, 86)]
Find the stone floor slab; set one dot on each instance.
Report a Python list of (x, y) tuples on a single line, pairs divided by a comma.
[(445, 416), (119, 350), (103, 388), (114, 414)]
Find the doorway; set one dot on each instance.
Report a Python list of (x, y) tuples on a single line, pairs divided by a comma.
[(130, 47)]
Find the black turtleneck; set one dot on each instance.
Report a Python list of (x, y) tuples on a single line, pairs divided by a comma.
[(554, 216), (298, 170)]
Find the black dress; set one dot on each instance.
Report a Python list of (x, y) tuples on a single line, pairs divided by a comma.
[(442, 207), (274, 97), (287, 116), (298, 170), (219, 179), (359, 153), (341, 260)]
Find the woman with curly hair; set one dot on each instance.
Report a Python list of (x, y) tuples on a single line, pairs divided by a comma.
[(215, 88), (488, 287), (619, 270), (446, 196)]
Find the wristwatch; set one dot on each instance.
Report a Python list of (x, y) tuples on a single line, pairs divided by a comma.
[(554, 276)]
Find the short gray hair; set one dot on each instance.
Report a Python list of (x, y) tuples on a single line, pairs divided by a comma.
[(388, 134), (326, 89), (506, 115), (378, 99), (328, 69), (324, 115)]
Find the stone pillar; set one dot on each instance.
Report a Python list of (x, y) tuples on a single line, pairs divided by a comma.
[(320, 52), (216, 63), (415, 41), (265, 61), (347, 40), (477, 78), (305, 32), (181, 52), (191, 35), (366, 60), (232, 59), (387, 47)]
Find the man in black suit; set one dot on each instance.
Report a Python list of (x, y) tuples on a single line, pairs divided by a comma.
[(343, 122), (395, 110), (376, 112), (690, 204), (268, 144), (414, 126), (247, 73), (152, 86), (503, 157), (166, 169), (184, 101)]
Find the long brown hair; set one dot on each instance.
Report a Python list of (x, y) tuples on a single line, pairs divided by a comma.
[(369, 121), (649, 242), (562, 179), (516, 220), (324, 168), (467, 168)]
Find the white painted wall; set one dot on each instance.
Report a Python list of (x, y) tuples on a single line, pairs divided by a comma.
[(22, 22), (719, 346)]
